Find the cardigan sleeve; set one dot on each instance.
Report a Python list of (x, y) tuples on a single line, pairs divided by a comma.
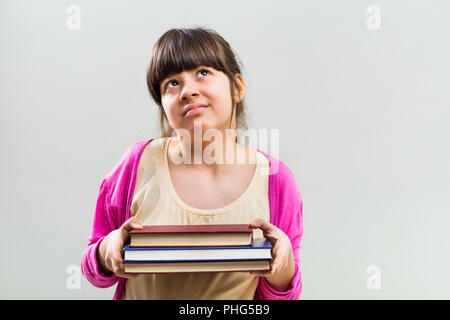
[(111, 211), (102, 226), (287, 216)]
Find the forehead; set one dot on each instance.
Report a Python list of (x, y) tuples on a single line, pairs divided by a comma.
[(190, 69)]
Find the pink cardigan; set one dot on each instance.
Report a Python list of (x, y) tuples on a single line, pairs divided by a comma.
[(113, 209)]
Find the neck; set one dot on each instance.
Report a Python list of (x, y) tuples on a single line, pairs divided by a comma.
[(212, 151)]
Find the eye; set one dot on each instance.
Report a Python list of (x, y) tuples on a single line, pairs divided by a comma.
[(203, 70), (171, 81)]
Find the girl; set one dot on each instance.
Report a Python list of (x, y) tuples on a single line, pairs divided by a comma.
[(196, 82)]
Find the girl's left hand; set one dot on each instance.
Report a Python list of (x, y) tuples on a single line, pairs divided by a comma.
[(282, 255)]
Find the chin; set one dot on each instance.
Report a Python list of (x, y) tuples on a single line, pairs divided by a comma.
[(200, 123)]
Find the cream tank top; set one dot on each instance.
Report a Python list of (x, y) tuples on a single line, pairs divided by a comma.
[(155, 202)]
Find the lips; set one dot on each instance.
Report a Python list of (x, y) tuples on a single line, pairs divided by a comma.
[(193, 106)]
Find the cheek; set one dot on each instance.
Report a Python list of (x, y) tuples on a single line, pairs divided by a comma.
[(170, 110), (223, 97)]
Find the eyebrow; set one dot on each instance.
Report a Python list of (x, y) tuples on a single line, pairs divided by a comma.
[(168, 78)]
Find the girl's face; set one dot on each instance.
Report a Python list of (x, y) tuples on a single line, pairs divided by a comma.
[(203, 85)]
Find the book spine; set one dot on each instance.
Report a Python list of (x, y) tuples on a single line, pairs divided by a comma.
[(132, 245)]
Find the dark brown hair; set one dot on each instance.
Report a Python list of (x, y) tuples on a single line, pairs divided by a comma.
[(183, 49)]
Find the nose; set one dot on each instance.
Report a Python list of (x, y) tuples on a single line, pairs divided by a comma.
[(189, 91)]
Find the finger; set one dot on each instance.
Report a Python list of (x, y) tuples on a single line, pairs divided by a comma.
[(278, 255), (121, 273), (129, 276), (263, 273), (261, 224), (108, 264), (276, 263), (132, 223), (115, 265), (276, 249), (116, 259)]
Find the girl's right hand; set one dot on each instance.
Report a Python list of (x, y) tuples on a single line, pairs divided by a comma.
[(109, 253)]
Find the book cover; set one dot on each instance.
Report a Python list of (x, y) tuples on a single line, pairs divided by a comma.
[(259, 249), (211, 228), (191, 235), (197, 266)]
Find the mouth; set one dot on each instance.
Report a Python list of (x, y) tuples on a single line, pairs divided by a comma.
[(194, 108)]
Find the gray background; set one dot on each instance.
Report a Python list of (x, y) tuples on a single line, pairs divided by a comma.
[(363, 117)]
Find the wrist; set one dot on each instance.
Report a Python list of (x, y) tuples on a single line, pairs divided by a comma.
[(283, 278), (101, 250)]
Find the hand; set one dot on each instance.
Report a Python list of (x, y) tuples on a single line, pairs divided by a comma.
[(109, 252), (282, 265)]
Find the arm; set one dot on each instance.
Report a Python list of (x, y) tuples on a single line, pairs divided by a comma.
[(109, 227), (102, 226), (287, 215)]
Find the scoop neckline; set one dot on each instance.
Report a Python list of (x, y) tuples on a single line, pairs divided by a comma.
[(191, 209)]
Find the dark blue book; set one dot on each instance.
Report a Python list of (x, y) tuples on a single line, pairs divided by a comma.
[(260, 249)]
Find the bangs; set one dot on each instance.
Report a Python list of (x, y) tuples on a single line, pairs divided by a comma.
[(180, 50)]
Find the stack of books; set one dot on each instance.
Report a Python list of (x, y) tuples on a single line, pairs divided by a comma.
[(196, 248)]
